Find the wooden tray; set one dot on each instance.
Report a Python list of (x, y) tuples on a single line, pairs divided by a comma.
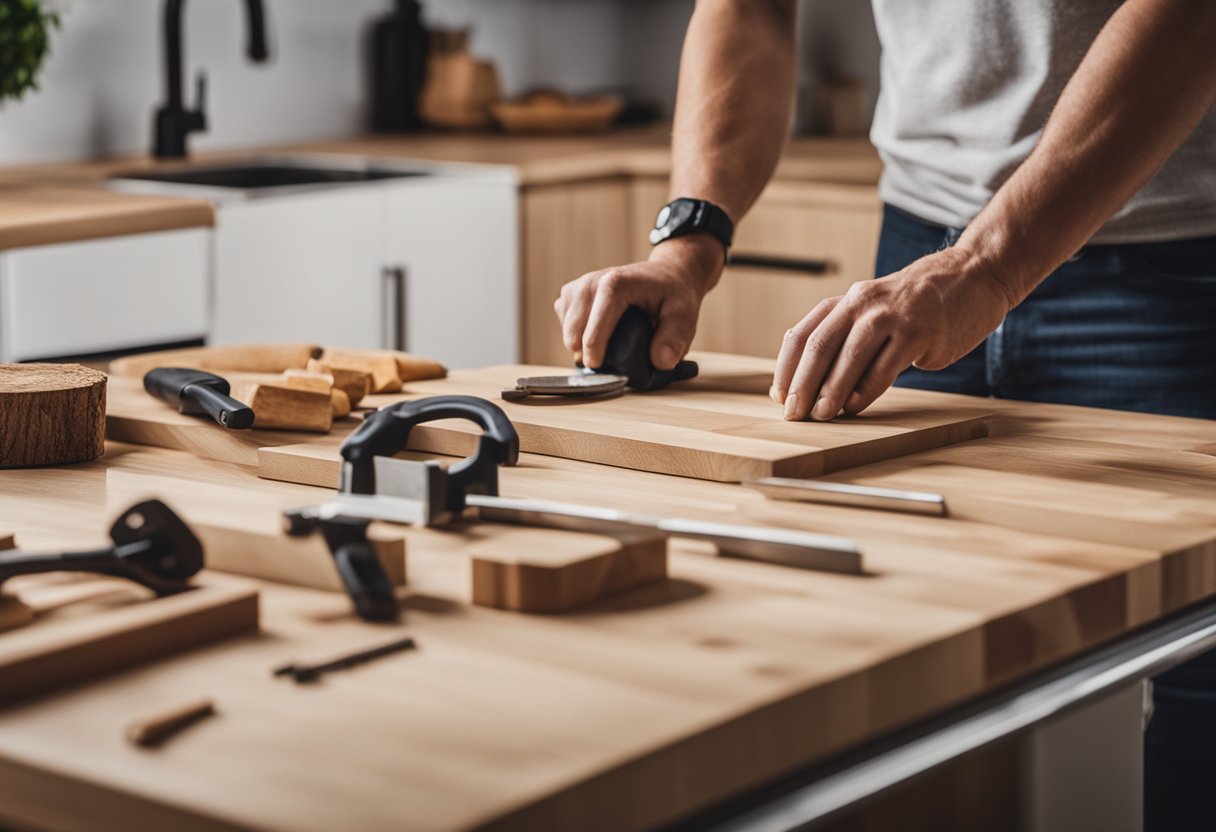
[(106, 632)]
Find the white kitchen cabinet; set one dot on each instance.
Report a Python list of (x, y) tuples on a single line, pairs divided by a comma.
[(428, 264), (302, 267), (98, 296), (453, 243)]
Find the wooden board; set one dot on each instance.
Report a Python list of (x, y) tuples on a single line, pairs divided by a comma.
[(78, 641), (720, 427), (134, 416)]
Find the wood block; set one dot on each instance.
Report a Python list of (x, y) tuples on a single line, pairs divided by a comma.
[(340, 403), (389, 368), (248, 358), (82, 641), (355, 383), (278, 407), (257, 551), (551, 570), (51, 414), (308, 380)]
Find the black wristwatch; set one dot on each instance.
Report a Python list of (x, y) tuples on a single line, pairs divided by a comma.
[(685, 216)]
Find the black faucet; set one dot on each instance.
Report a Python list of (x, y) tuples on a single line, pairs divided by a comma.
[(173, 121)]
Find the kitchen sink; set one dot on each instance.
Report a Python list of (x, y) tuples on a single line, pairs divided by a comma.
[(251, 178)]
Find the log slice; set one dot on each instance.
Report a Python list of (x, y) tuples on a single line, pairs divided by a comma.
[(51, 414)]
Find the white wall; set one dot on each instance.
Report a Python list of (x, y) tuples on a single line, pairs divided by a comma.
[(104, 77)]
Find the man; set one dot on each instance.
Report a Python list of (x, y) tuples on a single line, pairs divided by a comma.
[(1049, 235)]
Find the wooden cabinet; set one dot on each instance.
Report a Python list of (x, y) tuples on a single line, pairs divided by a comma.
[(96, 296), (568, 230), (802, 242)]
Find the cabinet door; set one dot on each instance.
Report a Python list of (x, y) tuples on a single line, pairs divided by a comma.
[(305, 267), (569, 230), (452, 250), (100, 296), (802, 242)]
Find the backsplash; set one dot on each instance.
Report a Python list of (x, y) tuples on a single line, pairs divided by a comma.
[(104, 77)]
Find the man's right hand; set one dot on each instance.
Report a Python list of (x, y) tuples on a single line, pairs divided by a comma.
[(670, 286)]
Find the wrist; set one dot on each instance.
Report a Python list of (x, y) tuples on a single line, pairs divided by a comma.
[(699, 255)]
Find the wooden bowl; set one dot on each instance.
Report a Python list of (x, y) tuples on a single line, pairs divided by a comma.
[(557, 114)]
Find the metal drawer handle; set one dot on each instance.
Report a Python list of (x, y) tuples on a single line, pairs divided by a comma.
[(395, 307), (756, 261)]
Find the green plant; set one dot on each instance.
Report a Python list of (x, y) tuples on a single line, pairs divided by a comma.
[(24, 43)]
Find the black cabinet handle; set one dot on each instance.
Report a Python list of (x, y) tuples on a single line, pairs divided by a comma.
[(756, 261)]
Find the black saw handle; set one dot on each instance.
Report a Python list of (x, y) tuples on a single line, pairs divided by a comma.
[(387, 431), (197, 393), (628, 354)]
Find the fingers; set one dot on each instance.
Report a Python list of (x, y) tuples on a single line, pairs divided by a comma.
[(863, 344), (818, 354), (673, 337), (606, 309), (792, 346), (573, 307), (883, 370)]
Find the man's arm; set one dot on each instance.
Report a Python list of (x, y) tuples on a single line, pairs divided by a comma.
[(736, 93), (1145, 84)]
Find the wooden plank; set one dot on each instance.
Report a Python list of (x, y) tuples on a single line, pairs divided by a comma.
[(83, 640), (716, 428)]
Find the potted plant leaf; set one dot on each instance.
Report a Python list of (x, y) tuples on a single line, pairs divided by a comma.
[(24, 44)]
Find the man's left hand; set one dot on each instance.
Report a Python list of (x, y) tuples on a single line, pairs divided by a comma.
[(849, 349)]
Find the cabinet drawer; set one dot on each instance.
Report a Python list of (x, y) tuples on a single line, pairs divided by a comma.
[(832, 227), (103, 295), (750, 309)]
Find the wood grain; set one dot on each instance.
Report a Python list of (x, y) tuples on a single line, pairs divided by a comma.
[(551, 571), (51, 414), (638, 708), (76, 643), (277, 406)]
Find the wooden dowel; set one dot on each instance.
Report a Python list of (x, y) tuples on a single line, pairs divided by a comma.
[(155, 729)]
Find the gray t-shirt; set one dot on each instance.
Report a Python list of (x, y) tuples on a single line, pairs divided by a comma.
[(966, 89)]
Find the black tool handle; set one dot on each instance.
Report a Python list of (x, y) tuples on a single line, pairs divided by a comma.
[(387, 431), (222, 408), (628, 354), (197, 392)]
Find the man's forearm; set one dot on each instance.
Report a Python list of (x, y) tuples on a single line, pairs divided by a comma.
[(737, 76), (1145, 84)]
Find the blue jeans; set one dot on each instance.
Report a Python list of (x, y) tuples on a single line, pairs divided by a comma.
[(1129, 327)]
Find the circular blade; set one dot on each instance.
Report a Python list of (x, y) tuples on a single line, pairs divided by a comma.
[(591, 384)]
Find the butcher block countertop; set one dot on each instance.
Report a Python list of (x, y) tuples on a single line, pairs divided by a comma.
[(1068, 527), (56, 203)]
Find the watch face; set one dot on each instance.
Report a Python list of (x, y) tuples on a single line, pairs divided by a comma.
[(672, 219)]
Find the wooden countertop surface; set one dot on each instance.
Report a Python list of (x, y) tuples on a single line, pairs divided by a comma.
[(55, 203), (1068, 527)]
